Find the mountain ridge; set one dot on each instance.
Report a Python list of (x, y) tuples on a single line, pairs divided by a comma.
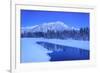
[(50, 26)]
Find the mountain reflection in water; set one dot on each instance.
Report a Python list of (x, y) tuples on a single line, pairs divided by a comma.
[(63, 53)]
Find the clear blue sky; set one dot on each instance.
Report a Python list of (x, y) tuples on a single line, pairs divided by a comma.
[(73, 19)]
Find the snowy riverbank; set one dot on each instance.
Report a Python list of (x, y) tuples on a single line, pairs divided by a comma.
[(33, 52)]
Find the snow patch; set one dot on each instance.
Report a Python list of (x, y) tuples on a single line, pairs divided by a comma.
[(69, 42), (32, 52)]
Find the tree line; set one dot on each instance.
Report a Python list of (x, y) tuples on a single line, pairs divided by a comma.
[(81, 34)]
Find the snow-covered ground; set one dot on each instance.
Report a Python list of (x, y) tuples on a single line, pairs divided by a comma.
[(33, 52), (69, 42)]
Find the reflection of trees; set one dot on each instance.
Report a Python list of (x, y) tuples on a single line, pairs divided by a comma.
[(51, 47)]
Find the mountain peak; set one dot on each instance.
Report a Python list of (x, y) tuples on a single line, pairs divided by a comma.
[(52, 26), (56, 23)]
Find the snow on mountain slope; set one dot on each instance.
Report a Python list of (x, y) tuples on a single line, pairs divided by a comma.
[(52, 26), (27, 29)]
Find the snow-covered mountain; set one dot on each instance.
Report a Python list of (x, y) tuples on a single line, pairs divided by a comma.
[(52, 26), (28, 29)]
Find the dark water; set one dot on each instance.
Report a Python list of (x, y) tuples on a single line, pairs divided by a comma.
[(63, 53)]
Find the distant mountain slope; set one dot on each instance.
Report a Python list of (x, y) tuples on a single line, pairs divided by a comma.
[(51, 26)]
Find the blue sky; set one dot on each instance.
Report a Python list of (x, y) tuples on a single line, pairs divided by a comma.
[(73, 19)]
